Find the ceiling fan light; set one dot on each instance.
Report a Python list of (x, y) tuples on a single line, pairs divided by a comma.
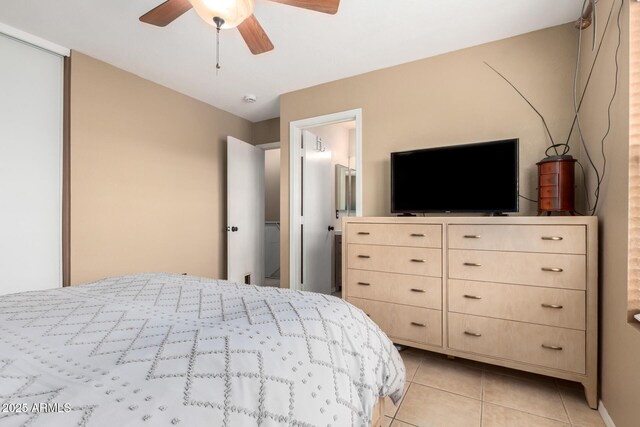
[(232, 11)]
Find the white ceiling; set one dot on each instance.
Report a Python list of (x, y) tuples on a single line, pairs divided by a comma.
[(310, 48)]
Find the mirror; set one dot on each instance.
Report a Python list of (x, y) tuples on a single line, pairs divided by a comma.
[(346, 190)]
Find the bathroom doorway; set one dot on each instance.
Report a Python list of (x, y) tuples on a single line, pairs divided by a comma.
[(326, 183)]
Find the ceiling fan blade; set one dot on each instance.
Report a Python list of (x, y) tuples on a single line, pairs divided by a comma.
[(324, 6), (254, 35), (166, 13)]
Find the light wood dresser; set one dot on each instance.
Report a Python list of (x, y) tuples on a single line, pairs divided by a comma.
[(520, 292)]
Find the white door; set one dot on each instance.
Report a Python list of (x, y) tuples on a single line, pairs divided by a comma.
[(245, 212), (31, 98), (317, 205)]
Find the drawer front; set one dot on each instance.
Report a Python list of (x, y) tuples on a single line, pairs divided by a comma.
[(416, 261), (421, 325), (547, 346), (548, 191), (416, 324), (521, 268), (548, 168), (548, 203), (563, 239), (416, 235), (375, 310), (549, 179), (545, 306), (418, 291)]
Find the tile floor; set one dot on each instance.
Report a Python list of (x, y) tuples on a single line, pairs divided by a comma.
[(452, 393)]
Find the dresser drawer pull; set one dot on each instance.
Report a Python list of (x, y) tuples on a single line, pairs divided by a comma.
[(473, 334), (417, 260), (552, 306), (363, 233), (472, 297), (555, 238), (417, 234), (422, 325), (418, 290), (552, 347), (471, 236), (364, 256), (472, 264), (364, 284), (553, 270)]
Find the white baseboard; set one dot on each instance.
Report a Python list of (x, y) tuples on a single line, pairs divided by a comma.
[(605, 415)]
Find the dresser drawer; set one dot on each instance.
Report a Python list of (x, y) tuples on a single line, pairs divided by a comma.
[(375, 310), (548, 191), (416, 235), (545, 306), (548, 203), (420, 325), (395, 259), (420, 291), (565, 239), (547, 346), (523, 268)]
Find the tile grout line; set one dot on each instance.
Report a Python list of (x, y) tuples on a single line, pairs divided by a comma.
[(563, 404), (401, 403), (530, 413), (485, 371), (482, 398), (407, 391), (447, 391), (527, 412)]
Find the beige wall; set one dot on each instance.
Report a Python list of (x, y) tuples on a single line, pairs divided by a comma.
[(265, 131), (147, 176), (272, 185), (620, 342), (633, 278), (449, 99)]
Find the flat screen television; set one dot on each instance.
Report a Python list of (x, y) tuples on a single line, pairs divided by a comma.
[(480, 177)]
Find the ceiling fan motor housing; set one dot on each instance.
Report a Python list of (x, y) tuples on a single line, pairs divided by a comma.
[(232, 12), (223, 14)]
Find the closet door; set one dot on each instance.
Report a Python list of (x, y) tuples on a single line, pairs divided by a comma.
[(31, 111)]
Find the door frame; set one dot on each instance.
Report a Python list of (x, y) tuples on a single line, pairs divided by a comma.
[(295, 170)]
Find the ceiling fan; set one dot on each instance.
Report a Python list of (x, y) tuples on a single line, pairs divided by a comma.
[(224, 14)]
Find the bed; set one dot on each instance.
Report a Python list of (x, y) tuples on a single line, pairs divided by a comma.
[(162, 349)]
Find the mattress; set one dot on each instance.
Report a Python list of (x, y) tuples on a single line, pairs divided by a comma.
[(162, 349)]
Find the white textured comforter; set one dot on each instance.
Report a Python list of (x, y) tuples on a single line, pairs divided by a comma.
[(164, 350)]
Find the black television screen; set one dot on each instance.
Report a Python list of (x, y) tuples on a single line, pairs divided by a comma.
[(481, 177)]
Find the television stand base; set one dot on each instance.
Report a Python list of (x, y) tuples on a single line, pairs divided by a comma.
[(498, 214), (407, 214)]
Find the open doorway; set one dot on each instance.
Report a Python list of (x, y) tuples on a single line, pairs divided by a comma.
[(326, 183), (271, 213), (253, 213)]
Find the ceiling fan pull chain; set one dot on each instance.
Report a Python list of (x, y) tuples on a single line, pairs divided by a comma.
[(219, 22), (218, 51)]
